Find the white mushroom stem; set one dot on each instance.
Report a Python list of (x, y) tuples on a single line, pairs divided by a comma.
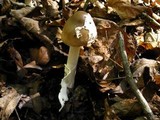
[(71, 65), (70, 72)]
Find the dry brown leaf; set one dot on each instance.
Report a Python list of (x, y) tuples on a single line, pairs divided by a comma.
[(95, 59), (109, 113), (145, 45), (125, 9), (8, 103), (58, 33), (138, 70), (40, 55), (15, 55), (139, 65), (6, 6), (155, 3), (106, 86), (157, 79), (96, 12), (43, 56), (129, 107), (33, 65), (136, 22), (10, 107), (18, 14), (130, 46), (51, 8), (152, 38), (30, 24), (26, 101), (155, 105)]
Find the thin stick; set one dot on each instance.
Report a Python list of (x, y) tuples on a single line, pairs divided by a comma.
[(151, 19), (130, 80), (17, 114), (86, 5)]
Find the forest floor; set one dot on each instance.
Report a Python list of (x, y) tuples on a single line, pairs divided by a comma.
[(33, 58)]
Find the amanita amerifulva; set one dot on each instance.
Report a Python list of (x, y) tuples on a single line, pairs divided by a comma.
[(79, 30)]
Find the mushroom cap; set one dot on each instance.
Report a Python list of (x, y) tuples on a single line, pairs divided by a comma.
[(79, 30)]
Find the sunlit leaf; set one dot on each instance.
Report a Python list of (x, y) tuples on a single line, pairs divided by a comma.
[(125, 9)]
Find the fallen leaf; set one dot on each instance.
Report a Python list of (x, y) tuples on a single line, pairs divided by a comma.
[(32, 65), (106, 86), (157, 79), (40, 55), (145, 45), (136, 22), (155, 104), (8, 102), (109, 112), (10, 107), (5, 7), (129, 107), (125, 9), (51, 8), (30, 24), (18, 14), (96, 12), (138, 68), (130, 46), (155, 3), (15, 55), (43, 56)]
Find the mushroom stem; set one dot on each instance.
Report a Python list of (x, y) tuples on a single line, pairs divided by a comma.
[(70, 68), (70, 72)]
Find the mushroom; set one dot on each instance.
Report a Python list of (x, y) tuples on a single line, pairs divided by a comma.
[(79, 30)]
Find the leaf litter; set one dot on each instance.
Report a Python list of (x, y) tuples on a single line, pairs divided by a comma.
[(32, 58)]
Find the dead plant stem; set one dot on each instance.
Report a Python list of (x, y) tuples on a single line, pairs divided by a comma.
[(130, 80), (152, 20)]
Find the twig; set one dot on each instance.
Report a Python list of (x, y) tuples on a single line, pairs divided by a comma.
[(130, 80), (17, 114), (151, 19), (86, 5)]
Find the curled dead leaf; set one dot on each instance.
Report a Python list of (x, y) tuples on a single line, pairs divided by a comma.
[(95, 59), (129, 107), (8, 103), (15, 55), (43, 56), (30, 24), (51, 8), (18, 14), (33, 65), (125, 9), (106, 86), (145, 71), (40, 55), (6, 6), (157, 79)]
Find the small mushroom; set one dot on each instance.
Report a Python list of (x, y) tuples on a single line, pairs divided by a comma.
[(78, 31)]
